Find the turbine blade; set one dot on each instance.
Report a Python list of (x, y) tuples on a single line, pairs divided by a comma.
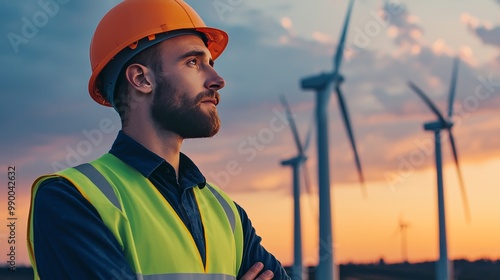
[(427, 101), (309, 135), (453, 86), (347, 122), (307, 183), (291, 121), (396, 231), (337, 61), (460, 178), (307, 179)]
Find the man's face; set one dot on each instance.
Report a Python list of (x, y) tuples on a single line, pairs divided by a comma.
[(185, 96)]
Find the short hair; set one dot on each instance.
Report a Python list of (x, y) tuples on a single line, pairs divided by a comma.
[(150, 58)]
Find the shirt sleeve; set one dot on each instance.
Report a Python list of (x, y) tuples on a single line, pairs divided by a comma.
[(253, 251), (70, 239)]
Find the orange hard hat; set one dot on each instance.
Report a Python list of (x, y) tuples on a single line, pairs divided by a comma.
[(134, 25)]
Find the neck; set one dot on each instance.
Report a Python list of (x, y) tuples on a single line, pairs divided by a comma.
[(163, 143)]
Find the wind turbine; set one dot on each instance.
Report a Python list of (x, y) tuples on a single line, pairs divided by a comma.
[(443, 269), (296, 163), (403, 229), (321, 85)]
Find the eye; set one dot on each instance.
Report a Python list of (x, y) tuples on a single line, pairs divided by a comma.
[(192, 62)]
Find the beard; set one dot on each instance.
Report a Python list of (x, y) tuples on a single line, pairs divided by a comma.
[(173, 110)]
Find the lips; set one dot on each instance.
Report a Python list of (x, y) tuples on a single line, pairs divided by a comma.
[(213, 100)]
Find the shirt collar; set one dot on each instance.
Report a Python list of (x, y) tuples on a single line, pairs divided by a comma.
[(146, 162)]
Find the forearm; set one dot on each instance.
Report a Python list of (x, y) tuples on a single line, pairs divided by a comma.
[(254, 252)]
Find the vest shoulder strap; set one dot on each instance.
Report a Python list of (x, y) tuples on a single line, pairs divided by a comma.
[(227, 208), (98, 179)]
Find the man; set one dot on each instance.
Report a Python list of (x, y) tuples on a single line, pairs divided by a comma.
[(144, 210)]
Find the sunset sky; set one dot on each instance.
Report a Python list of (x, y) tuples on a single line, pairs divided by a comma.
[(48, 121)]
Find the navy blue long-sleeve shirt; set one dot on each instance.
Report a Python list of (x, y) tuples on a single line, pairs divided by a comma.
[(72, 242)]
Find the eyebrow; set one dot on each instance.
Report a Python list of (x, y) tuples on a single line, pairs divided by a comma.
[(197, 53)]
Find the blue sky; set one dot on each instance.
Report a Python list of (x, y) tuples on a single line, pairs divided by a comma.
[(47, 119)]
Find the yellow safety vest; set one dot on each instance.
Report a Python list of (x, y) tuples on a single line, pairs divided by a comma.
[(154, 240)]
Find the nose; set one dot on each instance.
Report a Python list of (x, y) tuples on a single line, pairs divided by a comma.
[(214, 81)]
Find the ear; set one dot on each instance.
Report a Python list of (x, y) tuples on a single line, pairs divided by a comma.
[(140, 78)]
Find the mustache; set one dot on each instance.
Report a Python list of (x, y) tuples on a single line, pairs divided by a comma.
[(208, 94)]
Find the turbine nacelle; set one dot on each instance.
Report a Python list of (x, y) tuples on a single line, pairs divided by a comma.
[(438, 125), (320, 81), (295, 161)]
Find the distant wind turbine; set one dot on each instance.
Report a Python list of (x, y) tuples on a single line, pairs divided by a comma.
[(403, 231), (321, 85), (443, 269), (296, 163)]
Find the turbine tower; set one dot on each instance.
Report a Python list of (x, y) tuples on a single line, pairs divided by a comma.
[(443, 269), (296, 163), (321, 85)]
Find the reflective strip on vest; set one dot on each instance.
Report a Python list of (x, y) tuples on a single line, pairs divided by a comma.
[(225, 205), (96, 177), (186, 276)]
